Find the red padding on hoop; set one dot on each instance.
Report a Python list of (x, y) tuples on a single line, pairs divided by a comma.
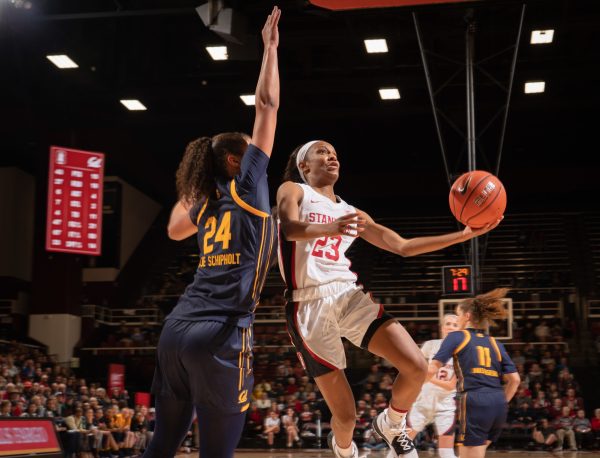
[(360, 4)]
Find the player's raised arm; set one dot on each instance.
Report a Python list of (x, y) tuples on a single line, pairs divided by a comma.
[(267, 88), (386, 239)]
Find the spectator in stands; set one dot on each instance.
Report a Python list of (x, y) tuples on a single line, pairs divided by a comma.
[(139, 427), (555, 411), (564, 429), (541, 404), (305, 418), (566, 380), (573, 401), (76, 426), (583, 430), (290, 423), (254, 420), (518, 358), (271, 428), (264, 403), (535, 373), (523, 396), (544, 433), (5, 408), (31, 411), (524, 416)]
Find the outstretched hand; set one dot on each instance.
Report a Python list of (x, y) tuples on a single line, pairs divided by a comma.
[(471, 232), (270, 32), (351, 224)]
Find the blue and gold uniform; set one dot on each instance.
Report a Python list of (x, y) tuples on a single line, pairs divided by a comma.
[(204, 356), (479, 362)]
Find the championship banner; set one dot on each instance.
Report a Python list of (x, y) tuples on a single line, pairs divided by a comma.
[(28, 437), (116, 377), (362, 4), (75, 186)]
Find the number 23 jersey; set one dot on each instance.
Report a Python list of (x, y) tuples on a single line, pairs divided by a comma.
[(308, 265)]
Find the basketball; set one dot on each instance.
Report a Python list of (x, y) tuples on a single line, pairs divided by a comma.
[(477, 198)]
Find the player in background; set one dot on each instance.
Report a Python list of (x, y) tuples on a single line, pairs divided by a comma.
[(325, 304), (436, 403), (481, 365)]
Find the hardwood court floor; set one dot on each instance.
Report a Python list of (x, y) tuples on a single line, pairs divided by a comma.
[(324, 453)]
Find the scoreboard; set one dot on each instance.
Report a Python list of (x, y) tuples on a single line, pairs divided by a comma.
[(74, 216)]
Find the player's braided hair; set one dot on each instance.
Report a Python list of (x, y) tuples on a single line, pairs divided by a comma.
[(485, 308), (203, 162), (291, 170)]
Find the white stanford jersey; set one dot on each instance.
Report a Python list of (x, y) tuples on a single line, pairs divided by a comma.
[(429, 349), (311, 268)]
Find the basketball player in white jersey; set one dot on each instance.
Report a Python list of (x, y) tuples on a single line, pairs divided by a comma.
[(325, 304), (436, 403)]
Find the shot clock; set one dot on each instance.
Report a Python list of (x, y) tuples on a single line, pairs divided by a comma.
[(457, 280)]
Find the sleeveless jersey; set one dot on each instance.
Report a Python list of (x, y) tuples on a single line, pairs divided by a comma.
[(309, 264), (429, 349), (236, 236)]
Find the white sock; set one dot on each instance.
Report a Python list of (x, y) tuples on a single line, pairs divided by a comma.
[(446, 453), (395, 417), (345, 452)]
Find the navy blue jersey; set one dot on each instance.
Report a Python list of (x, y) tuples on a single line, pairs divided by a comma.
[(479, 361), (236, 234)]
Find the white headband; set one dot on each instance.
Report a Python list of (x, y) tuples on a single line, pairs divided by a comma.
[(301, 155)]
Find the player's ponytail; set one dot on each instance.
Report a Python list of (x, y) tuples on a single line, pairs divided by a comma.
[(485, 308), (291, 169), (204, 162)]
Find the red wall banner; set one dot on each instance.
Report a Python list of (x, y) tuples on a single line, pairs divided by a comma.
[(361, 4), (142, 399), (75, 186), (116, 377), (27, 437)]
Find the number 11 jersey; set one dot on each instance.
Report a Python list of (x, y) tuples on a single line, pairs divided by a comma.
[(317, 268)]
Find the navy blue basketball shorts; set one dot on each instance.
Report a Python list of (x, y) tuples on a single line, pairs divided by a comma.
[(207, 363), (481, 416)]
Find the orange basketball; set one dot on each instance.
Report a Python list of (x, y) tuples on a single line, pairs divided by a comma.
[(477, 198)]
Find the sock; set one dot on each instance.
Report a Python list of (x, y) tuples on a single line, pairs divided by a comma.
[(446, 453), (345, 452), (396, 416)]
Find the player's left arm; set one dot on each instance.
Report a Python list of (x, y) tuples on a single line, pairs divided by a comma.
[(180, 224), (511, 377), (386, 239)]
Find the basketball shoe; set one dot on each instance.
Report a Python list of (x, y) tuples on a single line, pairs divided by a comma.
[(396, 436)]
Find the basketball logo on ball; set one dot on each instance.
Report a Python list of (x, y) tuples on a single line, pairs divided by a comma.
[(477, 198)]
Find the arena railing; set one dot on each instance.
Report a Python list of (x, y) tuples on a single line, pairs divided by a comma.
[(593, 308), (127, 316), (429, 311)]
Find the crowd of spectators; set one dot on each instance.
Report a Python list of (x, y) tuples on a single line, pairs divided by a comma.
[(287, 409), (90, 421), (548, 411), (548, 407)]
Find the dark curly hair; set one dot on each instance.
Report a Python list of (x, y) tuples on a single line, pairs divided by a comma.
[(291, 172), (486, 307), (203, 162)]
